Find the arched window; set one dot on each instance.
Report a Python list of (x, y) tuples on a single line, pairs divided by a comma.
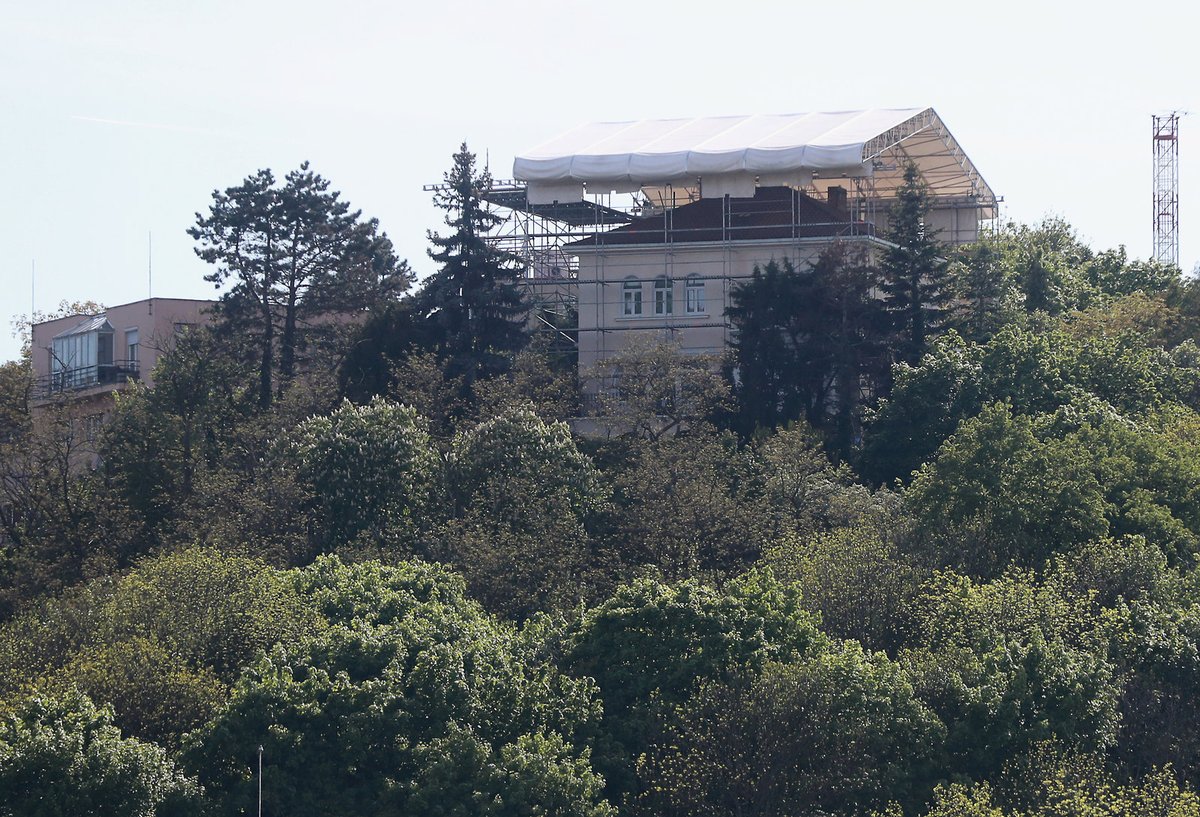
[(695, 295), (631, 293), (664, 300)]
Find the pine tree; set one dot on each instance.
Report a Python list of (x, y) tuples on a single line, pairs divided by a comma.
[(474, 305), (915, 283), (294, 252)]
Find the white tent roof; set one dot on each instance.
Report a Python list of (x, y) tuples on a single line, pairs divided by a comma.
[(731, 153)]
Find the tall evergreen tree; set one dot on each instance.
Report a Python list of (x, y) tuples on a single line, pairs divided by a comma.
[(295, 252), (475, 307), (806, 339), (915, 285)]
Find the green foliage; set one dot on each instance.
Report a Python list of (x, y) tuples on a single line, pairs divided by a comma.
[(916, 286), (1006, 489), (159, 442), (62, 757), (160, 644), (493, 466), (158, 695), (1008, 664), (410, 695), (536, 774), (651, 646), (689, 507), (766, 746), (807, 493), (371, 471), (543, 378), (857, 581), (16, 384), (59, 525), (805, 339), (1035, 372), (294, 251), (473, 309), (523, 495), (984, 289), (998, 494)]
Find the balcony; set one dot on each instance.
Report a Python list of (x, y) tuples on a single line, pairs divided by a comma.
[(69, 381)]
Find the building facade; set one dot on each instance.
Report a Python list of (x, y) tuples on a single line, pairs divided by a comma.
[(707, 200), (84, 359)]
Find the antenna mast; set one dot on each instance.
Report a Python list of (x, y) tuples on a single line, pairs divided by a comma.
[(1166, 188)]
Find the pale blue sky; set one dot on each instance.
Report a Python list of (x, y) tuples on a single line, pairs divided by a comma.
[(121, 117)]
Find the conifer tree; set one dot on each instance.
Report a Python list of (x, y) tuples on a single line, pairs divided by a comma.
[(474, 306), (915, 281), (294, 252)]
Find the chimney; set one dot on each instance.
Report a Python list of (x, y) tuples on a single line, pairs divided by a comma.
[(837, 202)]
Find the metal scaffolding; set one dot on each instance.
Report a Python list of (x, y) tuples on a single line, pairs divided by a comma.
[(1166, 188)]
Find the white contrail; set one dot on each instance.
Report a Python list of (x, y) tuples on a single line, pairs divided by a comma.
[(151, 125)]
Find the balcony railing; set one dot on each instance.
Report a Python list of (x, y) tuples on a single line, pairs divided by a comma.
[(80, 378)]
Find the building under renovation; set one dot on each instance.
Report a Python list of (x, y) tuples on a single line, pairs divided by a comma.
[(643, 228)]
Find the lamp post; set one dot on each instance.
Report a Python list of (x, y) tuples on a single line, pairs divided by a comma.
[(260, 780)]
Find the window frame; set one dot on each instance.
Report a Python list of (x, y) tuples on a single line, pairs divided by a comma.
[(631, 298), (694, 296), (664, 296)]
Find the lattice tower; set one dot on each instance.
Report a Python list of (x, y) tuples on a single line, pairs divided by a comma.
[(1166, 188)]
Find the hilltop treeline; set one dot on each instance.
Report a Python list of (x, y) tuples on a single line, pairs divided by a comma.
[(966, 587)]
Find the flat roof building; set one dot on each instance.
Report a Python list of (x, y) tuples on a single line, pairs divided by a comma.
[(85, 358)]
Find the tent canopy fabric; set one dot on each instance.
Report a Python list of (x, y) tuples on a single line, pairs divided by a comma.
[(731, 154)]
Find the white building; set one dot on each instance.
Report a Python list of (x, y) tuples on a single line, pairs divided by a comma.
[(711, 198)]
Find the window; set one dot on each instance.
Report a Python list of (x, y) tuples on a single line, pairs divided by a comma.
[(632, 302), (695, 295), (92, 424), (131, 345), (663, 297)]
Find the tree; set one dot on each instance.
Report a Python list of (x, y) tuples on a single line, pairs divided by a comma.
[(804, 491), (61, 757), (295, 252), (523, 496), (412, 702), (838, 732), (915, 285), (687, 508), (986, 295), (856, 580), (1050, 371), (806, 342), (473, 303), (158, 441), (997, 494), (1007, 664), (659, 390), (650, 646), (371, 472), (60, 525), (160, 644)]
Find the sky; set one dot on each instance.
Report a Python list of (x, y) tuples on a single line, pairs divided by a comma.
[(120, 118)]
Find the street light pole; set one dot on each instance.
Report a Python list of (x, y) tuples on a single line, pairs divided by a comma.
[(260, 781)]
